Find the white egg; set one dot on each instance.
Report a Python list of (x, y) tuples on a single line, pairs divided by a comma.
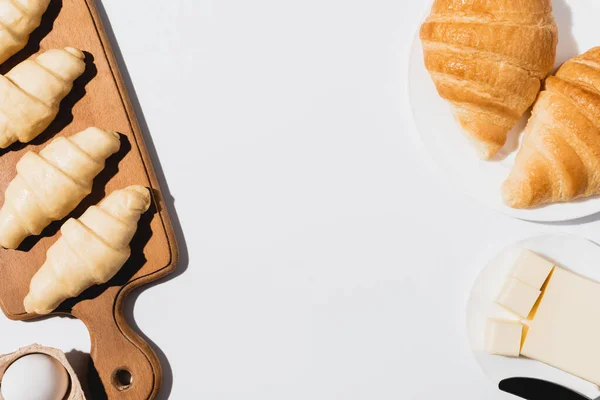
[(35, 377)]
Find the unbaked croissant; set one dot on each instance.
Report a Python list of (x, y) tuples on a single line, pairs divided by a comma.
[(487, 57), (50, 185), (31, 92), (18, 18), (559, 159), (90, 251)]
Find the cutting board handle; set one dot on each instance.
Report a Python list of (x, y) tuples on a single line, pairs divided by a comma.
[(127, 366)]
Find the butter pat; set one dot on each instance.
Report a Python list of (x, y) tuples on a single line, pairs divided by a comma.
[(518, 297), (503, 338), (532, 269), (564, 331)]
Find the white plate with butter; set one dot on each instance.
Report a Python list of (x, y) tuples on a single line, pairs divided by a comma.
[(442, 136), (569, 252)]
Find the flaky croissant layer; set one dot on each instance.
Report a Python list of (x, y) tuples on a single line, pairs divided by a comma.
[(91, 250), (487, 57), (559, 159)]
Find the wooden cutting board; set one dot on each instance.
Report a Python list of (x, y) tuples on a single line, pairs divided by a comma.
[(99, 98)]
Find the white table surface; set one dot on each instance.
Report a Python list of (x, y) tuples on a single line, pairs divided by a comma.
[(324, 258)]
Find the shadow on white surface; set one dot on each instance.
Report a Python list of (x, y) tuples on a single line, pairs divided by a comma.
[(182, 265), (579, 221), (513, 140), (567, 49), (567, 45), (482, 181), (88, 377)]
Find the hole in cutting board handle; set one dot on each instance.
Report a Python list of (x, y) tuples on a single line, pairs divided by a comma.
[(122, 378)]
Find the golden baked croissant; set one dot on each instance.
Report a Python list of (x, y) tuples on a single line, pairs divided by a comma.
[(50, 185), (91, 250), (487, 57), (559, 159), (31, 92), (18, 18)]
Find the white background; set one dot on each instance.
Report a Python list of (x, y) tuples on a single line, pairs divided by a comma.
[(324, 257)]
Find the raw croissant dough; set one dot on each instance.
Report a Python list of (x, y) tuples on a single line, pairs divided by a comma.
[(90, 251), (487, 57), (50, 185), (559, 159), (31, 92), (18, 18)]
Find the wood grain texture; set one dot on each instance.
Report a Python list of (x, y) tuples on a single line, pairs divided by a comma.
[(99, 98)]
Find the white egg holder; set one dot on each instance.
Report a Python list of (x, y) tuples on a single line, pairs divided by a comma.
[(75, 391)]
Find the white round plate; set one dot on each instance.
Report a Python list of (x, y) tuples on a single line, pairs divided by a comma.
[(570, 252), (577, 22)]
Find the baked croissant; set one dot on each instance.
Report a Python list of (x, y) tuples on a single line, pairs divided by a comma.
[(91, 250), (487, 58), (50, 185), (31, 92), (559, 159), (18, 18)]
